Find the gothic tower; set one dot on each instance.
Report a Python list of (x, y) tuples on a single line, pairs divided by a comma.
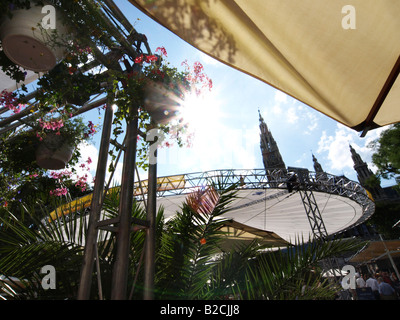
[(363, 173), (317, 166), (318, 169), (272, 158)]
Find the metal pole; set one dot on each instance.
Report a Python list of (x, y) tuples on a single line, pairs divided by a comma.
[(91, 237), (390, 258), (120, 270), (149, 268)]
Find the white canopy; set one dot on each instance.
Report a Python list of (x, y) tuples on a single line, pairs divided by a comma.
[(341, 59)]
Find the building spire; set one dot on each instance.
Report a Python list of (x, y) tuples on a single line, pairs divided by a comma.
[(272, 158), (364, 173), (317, 165)]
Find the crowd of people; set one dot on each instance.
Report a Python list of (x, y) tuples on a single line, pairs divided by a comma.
[(384, 286)]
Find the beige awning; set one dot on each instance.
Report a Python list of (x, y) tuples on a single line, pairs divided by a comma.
[(376, 250), (339, 57)]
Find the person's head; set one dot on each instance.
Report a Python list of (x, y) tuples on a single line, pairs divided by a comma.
[(380, 279)]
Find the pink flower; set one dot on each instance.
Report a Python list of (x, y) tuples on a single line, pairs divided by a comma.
[(162, 51), (58, 192), (53, 125), (197, 68), (8, 100), (92, 129), (89, 160), (81, 183)]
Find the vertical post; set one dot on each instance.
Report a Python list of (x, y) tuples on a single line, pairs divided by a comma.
[(390, 257), (91, 237), (149, 268), (120, 270)]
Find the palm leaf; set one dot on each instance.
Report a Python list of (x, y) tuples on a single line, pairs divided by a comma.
[(189, 243), (293, 273), (24, 250)]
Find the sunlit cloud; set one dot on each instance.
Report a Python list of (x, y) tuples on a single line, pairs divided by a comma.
[(336, 147)]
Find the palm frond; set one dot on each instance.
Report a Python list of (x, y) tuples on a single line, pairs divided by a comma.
[(190, 242), (25, 249), (294, 272)]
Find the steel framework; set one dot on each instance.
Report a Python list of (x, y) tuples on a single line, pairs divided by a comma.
[(283, 179), (305, 184), (126, 42)]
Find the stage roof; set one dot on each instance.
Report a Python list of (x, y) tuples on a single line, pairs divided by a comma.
[(340, 58), (281, 212), (267, 205), (263, 206)]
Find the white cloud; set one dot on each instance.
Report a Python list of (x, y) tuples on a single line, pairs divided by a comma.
[(337, 150), (280, 97), (337, 147), (290, 111), (292, 116), (207, 60), (225, 148)]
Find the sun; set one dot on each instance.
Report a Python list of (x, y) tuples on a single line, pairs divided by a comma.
[(200, 112)]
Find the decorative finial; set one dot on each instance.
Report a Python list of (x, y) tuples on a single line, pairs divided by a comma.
[(259, 113)]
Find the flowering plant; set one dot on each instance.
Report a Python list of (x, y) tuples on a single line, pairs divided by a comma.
[(66, 83), (159, 91), (71, 131), (77, 17)]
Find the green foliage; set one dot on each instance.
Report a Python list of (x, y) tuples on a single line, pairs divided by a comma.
[(387, 152), (188, 245), (64, 84), (25, 249), (384, 218), (293, 272), (189, 265)]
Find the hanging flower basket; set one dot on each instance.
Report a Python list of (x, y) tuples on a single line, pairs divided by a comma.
[(162, 104), (53, 153), (29, 45)]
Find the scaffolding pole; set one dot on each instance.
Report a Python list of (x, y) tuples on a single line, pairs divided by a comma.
[(121, 265), (94, 217), (149, 268)]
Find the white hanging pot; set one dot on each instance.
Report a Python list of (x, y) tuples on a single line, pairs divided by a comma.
[(160, 103), (27, 43), (52, 153)]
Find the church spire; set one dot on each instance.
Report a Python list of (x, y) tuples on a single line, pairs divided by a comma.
[(320, 173), (364, 173), (272, 158), (317, 166)]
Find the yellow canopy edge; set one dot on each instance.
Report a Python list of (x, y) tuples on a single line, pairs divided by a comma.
[(340, 58)]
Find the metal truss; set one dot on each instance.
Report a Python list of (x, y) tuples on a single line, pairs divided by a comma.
[(293, 179), (313, 214)]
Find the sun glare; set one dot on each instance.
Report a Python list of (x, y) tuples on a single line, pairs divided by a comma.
[(199, 112)]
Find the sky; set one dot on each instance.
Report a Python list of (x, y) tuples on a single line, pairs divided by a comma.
[(226, 121)]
